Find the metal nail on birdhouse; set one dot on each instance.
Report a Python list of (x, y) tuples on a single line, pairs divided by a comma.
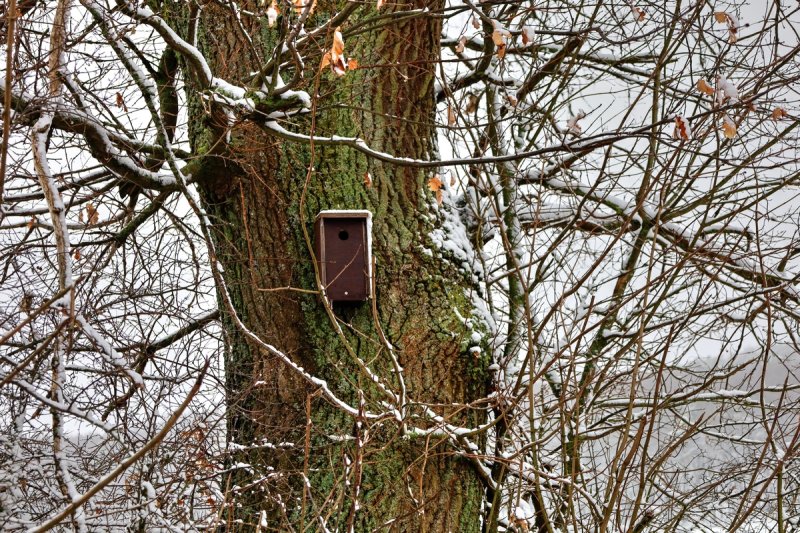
[(343, 246)]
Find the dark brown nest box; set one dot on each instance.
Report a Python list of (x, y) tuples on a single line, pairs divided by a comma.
[(343, 242)]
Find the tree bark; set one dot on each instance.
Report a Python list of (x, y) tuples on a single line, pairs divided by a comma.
[(262, 199)]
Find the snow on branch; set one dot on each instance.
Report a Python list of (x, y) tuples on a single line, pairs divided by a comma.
[(144, 15), (110, 354), (102, 142)]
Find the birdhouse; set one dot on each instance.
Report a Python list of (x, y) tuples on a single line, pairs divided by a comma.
[(343, 246)]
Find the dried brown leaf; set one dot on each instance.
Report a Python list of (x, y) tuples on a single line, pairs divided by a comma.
[(572, 124), (528, 35), (683, 130), (498, 38), (728, 127), (26, 303), (704, 87), (731, 21), (272, 14), (92, 216), (462, 43), (335, 56), (779, 113), (300, 6), (451, 116), (121, 102), (338, 42), (472, 103)]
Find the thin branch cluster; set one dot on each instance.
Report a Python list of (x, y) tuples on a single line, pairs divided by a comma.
[(620, 180)]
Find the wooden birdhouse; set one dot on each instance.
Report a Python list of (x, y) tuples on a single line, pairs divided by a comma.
[(343, 246)]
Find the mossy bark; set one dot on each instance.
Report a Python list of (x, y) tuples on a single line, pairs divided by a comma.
[(262, 195)]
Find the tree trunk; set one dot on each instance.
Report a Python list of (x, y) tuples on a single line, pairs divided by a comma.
[(262, 200)]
